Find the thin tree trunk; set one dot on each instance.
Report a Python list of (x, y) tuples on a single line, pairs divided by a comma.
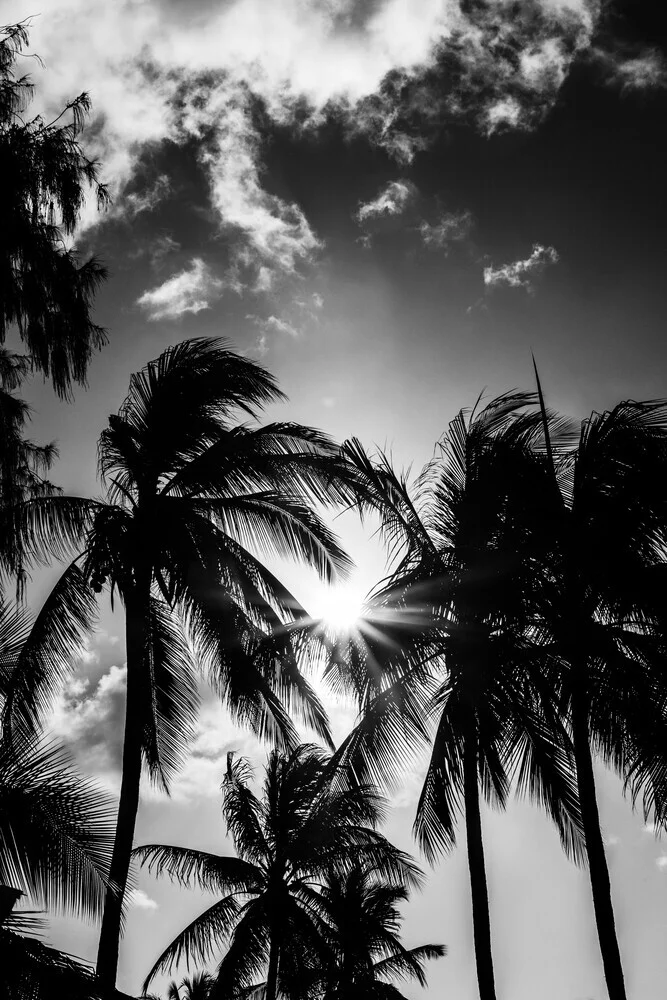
[(272, 973), (478, 889), (128, 804), (597, 862)]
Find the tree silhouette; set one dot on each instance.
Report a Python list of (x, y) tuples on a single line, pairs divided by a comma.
[(189, 496), (44, 288), (23, 465), (367, 953), (448, 644), (55, 826), (599, 611), (56, 831), (304, 826), (33, 971)]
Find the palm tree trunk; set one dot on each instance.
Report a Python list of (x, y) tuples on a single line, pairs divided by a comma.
[(597, 862), (478, 889), (128, 804), (272, 973)]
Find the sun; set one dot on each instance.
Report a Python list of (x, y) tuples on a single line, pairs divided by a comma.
[(340, 608)]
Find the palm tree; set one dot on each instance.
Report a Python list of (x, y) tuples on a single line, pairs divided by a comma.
[(304, 826), (33, 971), (55, 826), (56, 833), (363, 912), (448, 644), (197, 987), (44, 289), (189, 497), (599, 612)]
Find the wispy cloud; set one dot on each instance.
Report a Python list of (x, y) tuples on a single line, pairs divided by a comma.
[(188, 291), (145, 200), (661, 862), (270, 327), (391, 200), (521, 273), (451, 227), (633, 70)]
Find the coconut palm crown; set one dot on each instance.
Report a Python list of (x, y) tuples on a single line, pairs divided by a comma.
[(193, 500), (304, 826)]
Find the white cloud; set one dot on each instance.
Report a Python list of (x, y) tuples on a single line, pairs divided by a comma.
[(450, 228), (268, 328), (141, 900), (90, 721), (521, 273), (188, 291), (318, 301), (160, 70), (639, 70), (203, 771), (661, 862), (145, 200), (392, 200)]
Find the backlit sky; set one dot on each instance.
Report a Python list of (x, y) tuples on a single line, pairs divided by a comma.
[(390, 203)]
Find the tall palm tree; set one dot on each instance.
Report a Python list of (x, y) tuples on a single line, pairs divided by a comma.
[(44, 289), (446, 659), (192, 499), (287, 842), (599, 611)]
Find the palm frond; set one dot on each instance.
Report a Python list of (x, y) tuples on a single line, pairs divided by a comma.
[(56, 830), (201, 940)]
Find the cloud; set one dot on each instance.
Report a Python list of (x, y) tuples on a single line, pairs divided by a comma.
[(141, 900), (269, 327), (146, 200), (89, 720), (160, 248), (661, 862), (273, 323), (521, 273), (188, 291), (318, 301), (452, 227), (392, 71), (392, 200), (202, 772), (632, 71)]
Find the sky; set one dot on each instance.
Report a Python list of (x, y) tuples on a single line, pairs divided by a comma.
[(390, 204)]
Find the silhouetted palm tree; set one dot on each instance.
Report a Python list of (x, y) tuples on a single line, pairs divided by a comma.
[(190, 495), (56, 827), (448, 642), (31, 970), (197, 987), (44, 289), (56, 833), (600, 613), (363, 912), (288, 841)]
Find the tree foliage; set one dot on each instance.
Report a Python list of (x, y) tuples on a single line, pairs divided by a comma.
[(46, 290)]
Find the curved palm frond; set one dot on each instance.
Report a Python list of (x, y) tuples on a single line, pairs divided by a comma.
[(55, 830)]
